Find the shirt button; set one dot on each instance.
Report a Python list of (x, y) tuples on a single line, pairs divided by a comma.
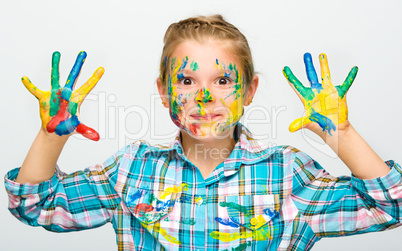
[(199, 201), (254, 221)]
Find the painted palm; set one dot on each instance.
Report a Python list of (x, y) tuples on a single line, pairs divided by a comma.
[(325, 104), (59, 107)]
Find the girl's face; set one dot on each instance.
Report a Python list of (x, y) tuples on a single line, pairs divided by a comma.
[(205, 90)]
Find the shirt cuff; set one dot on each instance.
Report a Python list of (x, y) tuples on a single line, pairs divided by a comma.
[(26, 189), (384, 183)]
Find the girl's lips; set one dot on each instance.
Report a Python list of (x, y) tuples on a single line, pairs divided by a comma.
[(205, 117)]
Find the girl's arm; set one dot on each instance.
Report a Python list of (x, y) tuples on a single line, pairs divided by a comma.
[(340, 206), (69, 202), (327, 116), (39, 164), (59, 110), (358, 156), (55, 200)]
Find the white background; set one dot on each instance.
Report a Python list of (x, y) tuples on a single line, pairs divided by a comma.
[(125, 37)]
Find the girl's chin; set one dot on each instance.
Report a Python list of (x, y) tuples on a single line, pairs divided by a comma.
[(207, 130), (211, 131)]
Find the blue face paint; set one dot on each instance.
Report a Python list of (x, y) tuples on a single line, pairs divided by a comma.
[(180, 76), (183, 64)]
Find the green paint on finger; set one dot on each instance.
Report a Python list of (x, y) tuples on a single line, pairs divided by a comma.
[(343, 89), (305, 92), (54, 102)]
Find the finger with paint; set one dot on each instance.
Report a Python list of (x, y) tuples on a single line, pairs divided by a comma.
[(325, 104), (59, 106)]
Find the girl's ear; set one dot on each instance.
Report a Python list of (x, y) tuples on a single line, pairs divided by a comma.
[(162, 89), (250, 91)]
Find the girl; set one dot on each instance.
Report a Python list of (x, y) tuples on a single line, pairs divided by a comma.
[(214, 187)]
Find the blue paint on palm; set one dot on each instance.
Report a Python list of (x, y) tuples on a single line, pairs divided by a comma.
[(226, 222), (66, 93), (325, 123), (311, 73), (67, 126)]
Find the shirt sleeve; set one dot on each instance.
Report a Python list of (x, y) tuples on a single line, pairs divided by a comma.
[(81, 200), (340, 206)]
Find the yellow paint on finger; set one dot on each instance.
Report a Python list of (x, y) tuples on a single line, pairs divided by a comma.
[(44, 107), (325, 75), (82, 92), (299, 123), (32, 88)]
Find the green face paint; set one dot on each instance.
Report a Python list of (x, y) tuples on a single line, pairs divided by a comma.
[(228, 97), (194, 66)]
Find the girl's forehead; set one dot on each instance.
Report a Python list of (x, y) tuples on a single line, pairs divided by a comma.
[(205, 54)]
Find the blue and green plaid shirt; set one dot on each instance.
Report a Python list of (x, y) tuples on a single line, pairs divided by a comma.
[(259, 198)]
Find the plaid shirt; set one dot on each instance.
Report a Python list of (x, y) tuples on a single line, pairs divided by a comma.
[(258, 199)]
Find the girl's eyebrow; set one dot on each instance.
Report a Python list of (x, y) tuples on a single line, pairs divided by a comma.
[(185, 72)]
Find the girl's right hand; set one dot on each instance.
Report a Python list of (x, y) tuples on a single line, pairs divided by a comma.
[(59, 107)]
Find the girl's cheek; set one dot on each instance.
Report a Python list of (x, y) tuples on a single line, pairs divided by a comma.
[(178, 104)]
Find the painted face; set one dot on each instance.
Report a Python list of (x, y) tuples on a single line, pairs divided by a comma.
[(205, 89)]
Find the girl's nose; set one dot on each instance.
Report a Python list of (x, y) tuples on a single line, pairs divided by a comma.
[(204, 95)]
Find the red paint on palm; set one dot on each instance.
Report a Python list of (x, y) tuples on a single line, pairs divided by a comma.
[(87, 132), (62, 114)]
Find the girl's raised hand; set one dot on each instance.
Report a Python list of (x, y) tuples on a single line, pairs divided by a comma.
[(59, 107), (325, 104)]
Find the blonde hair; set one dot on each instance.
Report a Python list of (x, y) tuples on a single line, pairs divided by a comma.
[(201, 28)]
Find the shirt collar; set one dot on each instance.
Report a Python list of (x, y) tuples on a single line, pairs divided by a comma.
[(247, 150)]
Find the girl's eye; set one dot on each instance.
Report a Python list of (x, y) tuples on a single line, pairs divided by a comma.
[(186, 81), (223, 81)]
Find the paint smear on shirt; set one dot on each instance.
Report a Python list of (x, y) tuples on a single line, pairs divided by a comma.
[(262, 234), (240, 208), (174, 189)]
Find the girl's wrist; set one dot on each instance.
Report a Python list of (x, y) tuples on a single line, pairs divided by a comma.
[(53, 137), (344, 133)]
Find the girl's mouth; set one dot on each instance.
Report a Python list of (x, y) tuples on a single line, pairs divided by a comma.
[(208, 116)]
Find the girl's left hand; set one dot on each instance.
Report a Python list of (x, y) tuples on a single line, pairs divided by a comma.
[(325, 104)]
